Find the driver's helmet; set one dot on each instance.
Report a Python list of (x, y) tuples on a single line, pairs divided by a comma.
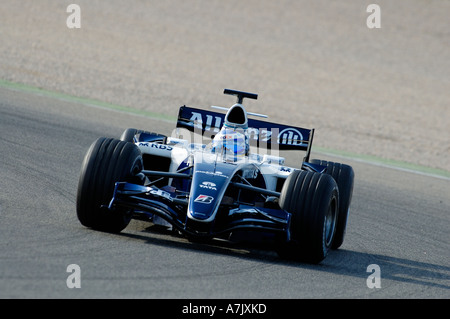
[(232, 143)]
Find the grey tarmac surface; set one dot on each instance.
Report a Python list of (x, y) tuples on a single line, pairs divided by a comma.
[(399, 221)]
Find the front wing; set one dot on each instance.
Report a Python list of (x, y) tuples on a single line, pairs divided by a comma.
[(146, 202)]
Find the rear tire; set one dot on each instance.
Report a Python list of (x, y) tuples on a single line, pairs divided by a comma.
[(344, 177), (312, 200), (107, 161)]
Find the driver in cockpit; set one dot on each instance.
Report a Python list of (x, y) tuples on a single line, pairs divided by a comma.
[(231, 143), (232, 140)]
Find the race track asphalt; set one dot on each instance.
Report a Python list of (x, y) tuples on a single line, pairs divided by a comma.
[(399, 221)]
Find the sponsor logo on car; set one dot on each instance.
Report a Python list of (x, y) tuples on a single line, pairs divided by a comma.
[(161, 193), (290, 136), (216, 173), (205, 199), (156, 145), (216, 123), (208, 185)]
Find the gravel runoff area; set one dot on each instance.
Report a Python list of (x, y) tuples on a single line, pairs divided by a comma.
[(375, 91)]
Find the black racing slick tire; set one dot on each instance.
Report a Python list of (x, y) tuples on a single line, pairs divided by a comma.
[(344, 176), (312, 199), (107, 161)]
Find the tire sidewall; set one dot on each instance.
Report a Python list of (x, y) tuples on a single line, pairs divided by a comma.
[(344, 176), (307, 196), (107, 161)]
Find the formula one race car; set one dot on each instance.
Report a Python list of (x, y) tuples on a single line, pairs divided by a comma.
[(207, 182)]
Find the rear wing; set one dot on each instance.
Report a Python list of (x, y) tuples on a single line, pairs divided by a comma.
[(261, 133)]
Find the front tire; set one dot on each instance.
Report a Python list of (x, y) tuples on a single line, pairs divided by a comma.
[(107, 161), (344, 176), (312, 200)]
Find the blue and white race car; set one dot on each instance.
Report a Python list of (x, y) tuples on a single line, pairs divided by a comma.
[(219, 176)]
